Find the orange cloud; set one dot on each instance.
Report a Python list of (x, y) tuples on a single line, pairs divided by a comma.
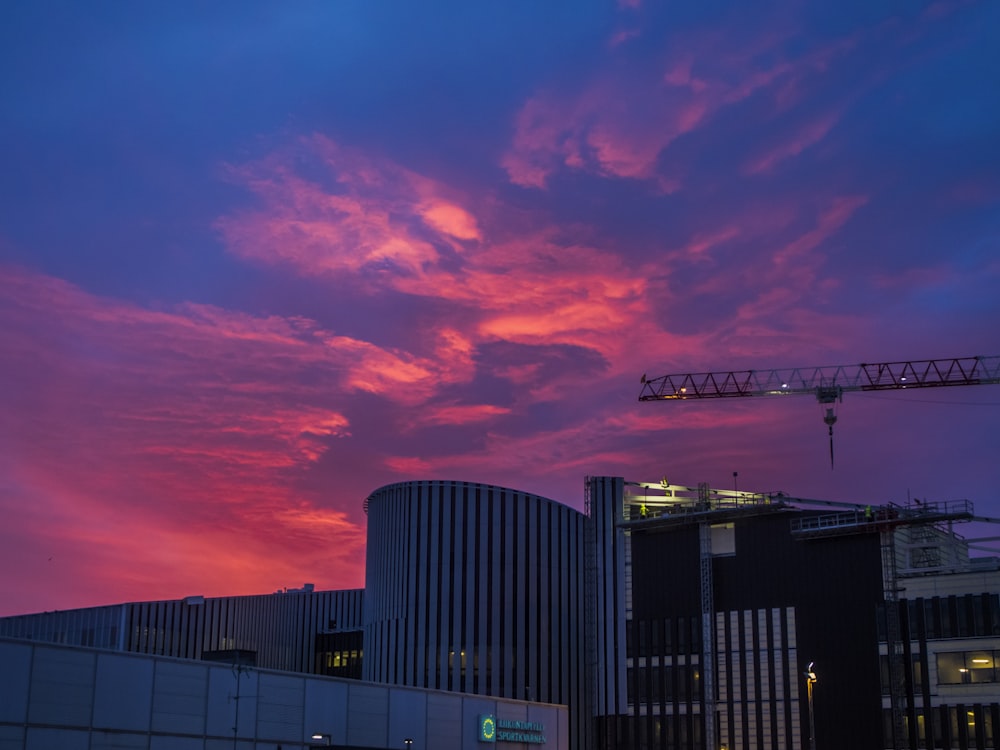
[(460, 414), (411, 466), (452, 220)]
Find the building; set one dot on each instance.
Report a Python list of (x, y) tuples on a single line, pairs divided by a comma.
[(477, 589), (297, 630), (787, 624), (663, 617), (76, 698), (950, 626), (775, 603)]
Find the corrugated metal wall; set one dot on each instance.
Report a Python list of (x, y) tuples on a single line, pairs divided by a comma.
[(280, 628)]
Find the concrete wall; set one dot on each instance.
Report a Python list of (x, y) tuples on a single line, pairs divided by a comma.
[(75, 698)]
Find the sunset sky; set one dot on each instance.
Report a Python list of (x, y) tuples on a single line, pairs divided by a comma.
[(260, 259)]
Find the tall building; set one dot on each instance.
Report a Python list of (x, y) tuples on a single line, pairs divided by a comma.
[(738, 620), (775, 603)]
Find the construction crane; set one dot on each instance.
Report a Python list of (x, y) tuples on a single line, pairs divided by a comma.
[(827, 384)]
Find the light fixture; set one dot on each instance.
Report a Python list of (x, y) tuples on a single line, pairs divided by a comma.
[(810, 681), (980, 661)]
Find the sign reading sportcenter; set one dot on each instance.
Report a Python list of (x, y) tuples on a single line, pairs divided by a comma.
[(492, 729)]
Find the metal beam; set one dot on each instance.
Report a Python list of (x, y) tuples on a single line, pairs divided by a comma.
[(816, 381)]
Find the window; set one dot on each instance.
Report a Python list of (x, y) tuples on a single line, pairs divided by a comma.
[(966, 667)]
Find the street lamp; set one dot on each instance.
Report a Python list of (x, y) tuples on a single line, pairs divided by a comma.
[(810, 681)]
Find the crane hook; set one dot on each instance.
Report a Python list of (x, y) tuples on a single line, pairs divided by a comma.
[(830, 395), (830, 419)]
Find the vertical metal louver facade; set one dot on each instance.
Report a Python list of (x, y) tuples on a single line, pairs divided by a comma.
[(476, 589), (280, 629), (609, 583)]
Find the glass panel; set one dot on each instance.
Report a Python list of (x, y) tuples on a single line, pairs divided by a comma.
[(929, 623), (951, 668), (937, 727), (918, 672), (962, 611), (945, 612), (981, 666), (978, 616)]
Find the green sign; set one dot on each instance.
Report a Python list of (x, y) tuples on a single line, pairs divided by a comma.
[(492, 729), (487, 728)]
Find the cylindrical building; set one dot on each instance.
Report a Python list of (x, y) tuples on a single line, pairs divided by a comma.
[(477, 589)]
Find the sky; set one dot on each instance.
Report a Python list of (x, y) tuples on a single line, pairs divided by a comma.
[(259, 259)]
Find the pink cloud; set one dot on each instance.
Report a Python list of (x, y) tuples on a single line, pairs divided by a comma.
[(526, 284), (373, 217), (460, 414), (520, 281), (700, 245), (829, 222), (621, 123), (410, 466), (208, 421), (451, 219), (811, 134), (622, 36), (615, 128)]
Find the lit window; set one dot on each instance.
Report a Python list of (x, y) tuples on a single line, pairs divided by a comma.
[(965, 667)]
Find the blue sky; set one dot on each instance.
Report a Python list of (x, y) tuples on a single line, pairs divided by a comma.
[(259, 259)]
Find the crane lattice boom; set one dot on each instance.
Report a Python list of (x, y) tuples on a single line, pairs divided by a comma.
[(824, 382)]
